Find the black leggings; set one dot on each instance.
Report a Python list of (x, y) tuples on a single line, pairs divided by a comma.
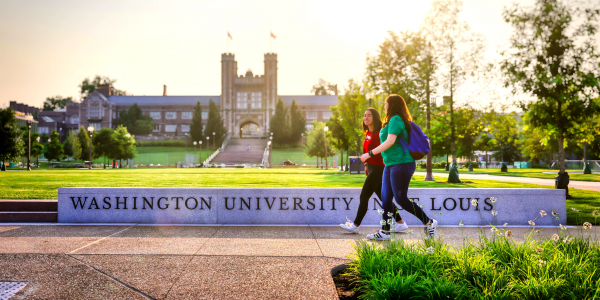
[(372, 185)]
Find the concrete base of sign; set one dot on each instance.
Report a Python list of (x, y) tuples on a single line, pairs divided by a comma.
[(323, 206)]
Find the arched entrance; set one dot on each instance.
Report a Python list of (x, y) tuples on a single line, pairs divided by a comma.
[(249, 128)]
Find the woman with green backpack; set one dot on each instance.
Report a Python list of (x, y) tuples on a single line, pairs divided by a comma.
[(399, 164)]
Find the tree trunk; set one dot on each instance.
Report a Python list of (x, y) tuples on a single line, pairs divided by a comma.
[(561, 153)]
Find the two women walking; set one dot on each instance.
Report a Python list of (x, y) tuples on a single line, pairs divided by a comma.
[(399, 167)]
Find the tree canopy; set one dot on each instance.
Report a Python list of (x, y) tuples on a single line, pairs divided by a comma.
[(196, 126), (135, 121), (215, 124), (279, 124), (11, 141), (56, 102)]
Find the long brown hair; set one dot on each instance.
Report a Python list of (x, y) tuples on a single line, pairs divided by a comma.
[(397, 107), (377, 124)]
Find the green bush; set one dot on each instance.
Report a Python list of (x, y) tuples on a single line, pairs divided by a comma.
[(440, 165), (161, 144), (494, 268)]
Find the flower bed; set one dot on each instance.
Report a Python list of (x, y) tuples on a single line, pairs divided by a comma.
[(565, 266)]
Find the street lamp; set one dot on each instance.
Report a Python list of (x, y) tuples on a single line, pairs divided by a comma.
[(91, 130), (369, 95), (214, 140), (38, 156), (207, 142), (128, 136), (270, 150), (429, 50), (326, 163), (199, 142), (28, 145)]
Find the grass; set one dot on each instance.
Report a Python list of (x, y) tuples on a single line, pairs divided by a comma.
[(490, 268), (45, 184), (533, 173)]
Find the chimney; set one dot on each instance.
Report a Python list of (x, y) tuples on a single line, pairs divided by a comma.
[(164, 89)]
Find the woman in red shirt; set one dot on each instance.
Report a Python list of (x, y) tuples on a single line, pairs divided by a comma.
[(374, 170)]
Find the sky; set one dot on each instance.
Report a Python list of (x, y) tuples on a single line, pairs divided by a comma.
[(48, 47)]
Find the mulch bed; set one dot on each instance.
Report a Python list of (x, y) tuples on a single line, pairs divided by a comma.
[(344, 284)]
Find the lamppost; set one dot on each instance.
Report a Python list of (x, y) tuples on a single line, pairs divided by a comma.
[(195, 148), (127, 136), (199, 142), (214, 141), (91, 131), (270, 148), (326, 163), (207, 142), (38, 156), (429, 175), (28, 145), (369, 95)]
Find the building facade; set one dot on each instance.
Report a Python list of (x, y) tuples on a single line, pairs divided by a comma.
[(246, 104)]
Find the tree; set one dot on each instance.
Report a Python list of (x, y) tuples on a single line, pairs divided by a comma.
[(215, 124), (72, 147), (297, 123), (56, 102), (124, 144), (459, 50), (439, 135), (36, 147), (315, 142), (505, 135), (54, 150), (87, 86), (483, 143), (196, 127), (469, 125), (324, 88), (84, 142), (279, 124), (11, 141), (351, 106), (339, 139), (103, 144), (553, 58), (135, 121)]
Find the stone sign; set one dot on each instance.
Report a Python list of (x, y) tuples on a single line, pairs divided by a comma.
[(324, 206)]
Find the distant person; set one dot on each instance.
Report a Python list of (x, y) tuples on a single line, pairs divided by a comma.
[(374, 170), (248, 147), (399, 166)]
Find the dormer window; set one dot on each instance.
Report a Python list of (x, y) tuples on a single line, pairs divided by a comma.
[(74, 119)]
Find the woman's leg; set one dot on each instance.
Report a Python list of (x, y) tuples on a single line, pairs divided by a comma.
[(386, 197), (400, 176), (372, 185), (397, 216)]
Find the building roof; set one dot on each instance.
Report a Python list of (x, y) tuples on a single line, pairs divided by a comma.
[(163, 100), (48, 119), (310, 99)]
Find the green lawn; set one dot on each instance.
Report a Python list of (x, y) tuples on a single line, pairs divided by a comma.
[(297, 156), (45, 184), (534, 173)]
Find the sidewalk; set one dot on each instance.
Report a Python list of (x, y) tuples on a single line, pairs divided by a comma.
[(582, 185), (185, 262)]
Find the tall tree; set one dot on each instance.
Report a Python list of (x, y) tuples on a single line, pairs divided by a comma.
[(315, 142), (215, 124), (54, 150), (84, 142), (196, 127), (124, 144), (339, 139), (11, 141), (72, 147), (103, 143), (135, 121), (553, 57), (504, 131), (56, 102), (297, 123), (469, 126), (460, 52), (351, 106), (87, 86), (279, 124), (323, 87)]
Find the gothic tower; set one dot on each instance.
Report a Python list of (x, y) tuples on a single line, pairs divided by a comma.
[(228, 74), (270, 86)]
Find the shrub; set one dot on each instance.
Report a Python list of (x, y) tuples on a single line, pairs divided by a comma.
[(161, 144)]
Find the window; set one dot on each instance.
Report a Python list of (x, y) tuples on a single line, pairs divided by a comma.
[(97, 126), (171, 115), (155, 115), (74, 119), (327, 115), (185, 128), (242, 100), (156, 128), (309, 127), (204, 115), (186, 114), (114, 114), (311, 115), (170, 128), (42, 130), (256, 100), (94, 112)]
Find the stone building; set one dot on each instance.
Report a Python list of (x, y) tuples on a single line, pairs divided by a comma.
[(246, 104)]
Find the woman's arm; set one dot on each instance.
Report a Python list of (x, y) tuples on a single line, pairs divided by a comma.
[(391, 139)]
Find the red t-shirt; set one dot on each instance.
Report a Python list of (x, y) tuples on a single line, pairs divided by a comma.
[(371, 142)]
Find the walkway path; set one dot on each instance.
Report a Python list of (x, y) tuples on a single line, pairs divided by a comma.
[(582, 185), (184, 262)]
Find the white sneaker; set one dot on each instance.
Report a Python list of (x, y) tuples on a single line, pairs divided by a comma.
[(431, 229), (398, 227), (352, 228), (379, 236)]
